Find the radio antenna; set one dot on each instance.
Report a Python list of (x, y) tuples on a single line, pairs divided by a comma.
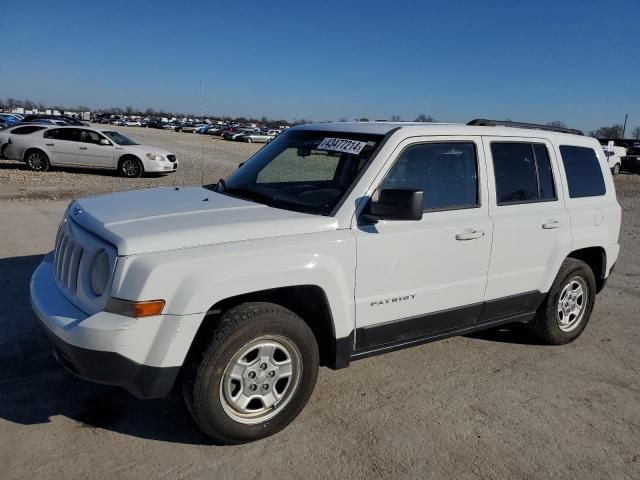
[(202, 135)]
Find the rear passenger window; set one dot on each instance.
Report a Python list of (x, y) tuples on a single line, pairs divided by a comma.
[(584, 174), (447, 173), (523, 173), (26, 130)]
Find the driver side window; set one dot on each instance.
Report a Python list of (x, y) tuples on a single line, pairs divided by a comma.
[(87, 136), (446, 172)]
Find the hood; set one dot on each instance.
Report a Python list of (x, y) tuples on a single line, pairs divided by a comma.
[(160, 219), (144, 149)]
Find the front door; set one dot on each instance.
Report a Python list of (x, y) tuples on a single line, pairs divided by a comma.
[(415, 279), (91, 153)]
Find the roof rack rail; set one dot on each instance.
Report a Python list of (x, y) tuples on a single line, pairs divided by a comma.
[(483, 122)]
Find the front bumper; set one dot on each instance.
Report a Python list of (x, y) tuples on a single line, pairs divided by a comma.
[(166, 166), (142, 355)]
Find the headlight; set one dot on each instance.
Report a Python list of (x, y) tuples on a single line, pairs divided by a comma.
[(155, 156), (100, 273)]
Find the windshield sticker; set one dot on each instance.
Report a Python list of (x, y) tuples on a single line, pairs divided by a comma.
[(342, 145)]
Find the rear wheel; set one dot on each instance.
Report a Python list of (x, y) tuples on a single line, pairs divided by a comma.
[(130, 167), (568, 306), (255, 374), (37, 161)]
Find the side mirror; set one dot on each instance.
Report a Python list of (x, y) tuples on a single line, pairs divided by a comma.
[(395, 204), (104, 141)]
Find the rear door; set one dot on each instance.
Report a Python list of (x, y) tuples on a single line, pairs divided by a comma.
[(532, 230), (62, 145), (93, 154)]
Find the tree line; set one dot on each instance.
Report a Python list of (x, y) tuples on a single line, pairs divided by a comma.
[(613, 131)]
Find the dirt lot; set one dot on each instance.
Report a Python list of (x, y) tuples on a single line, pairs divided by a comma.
[(495, 405)]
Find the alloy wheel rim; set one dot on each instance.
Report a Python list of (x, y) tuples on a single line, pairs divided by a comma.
[(130, 168), (260, 379), (35, 161), (572, 304)]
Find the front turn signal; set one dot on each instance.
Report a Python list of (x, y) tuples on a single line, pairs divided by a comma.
[(135, 309)]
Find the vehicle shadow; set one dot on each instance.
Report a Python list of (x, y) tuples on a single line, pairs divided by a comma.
[(516, 333), (34, 387), (17, 165)]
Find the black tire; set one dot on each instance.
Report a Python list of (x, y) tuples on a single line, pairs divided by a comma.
[(547, 325), (248, 140), (2, 150), (37, 160), (130, 167), (207, 373), (616, 169)]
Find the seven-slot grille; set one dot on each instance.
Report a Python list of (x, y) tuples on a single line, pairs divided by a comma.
[(67, 256)]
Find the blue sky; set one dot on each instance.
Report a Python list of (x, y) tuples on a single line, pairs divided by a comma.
[(572, 60)]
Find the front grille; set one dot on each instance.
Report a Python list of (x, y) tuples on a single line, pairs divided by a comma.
[(67, 256), (171, 158)]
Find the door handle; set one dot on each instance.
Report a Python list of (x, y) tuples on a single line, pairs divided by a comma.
[(83, 148), (49, 144), (552, 224), (470, 234)]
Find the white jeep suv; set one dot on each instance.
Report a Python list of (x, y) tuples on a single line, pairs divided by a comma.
[(88, 148), (333, 243)]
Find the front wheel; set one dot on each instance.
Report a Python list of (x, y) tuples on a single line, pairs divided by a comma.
[(566, 311), (616, 169), (130, 167), (255, 374)]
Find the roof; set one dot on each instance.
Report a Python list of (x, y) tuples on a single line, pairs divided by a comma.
[(444, 129)]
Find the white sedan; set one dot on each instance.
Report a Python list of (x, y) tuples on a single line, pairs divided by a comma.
[(89, 148)]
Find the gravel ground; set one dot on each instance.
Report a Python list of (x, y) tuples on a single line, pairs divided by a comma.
[(493, 405), (203, 159)]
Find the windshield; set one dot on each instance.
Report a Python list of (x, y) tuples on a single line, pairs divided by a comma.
[(302, 170), (119, 138)]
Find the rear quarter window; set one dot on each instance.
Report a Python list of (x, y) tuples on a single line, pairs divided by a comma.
[(584, 174)]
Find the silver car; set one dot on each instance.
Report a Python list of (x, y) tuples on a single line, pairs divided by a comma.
[(258, 137)]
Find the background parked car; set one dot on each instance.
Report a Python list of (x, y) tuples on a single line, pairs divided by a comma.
[(258, 137), (631, 161), (9, 119), (614, 157), (56, 119), (155, 124), (233, 135), (214, 130), (133, 123), (88, 148), (188, 127)]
